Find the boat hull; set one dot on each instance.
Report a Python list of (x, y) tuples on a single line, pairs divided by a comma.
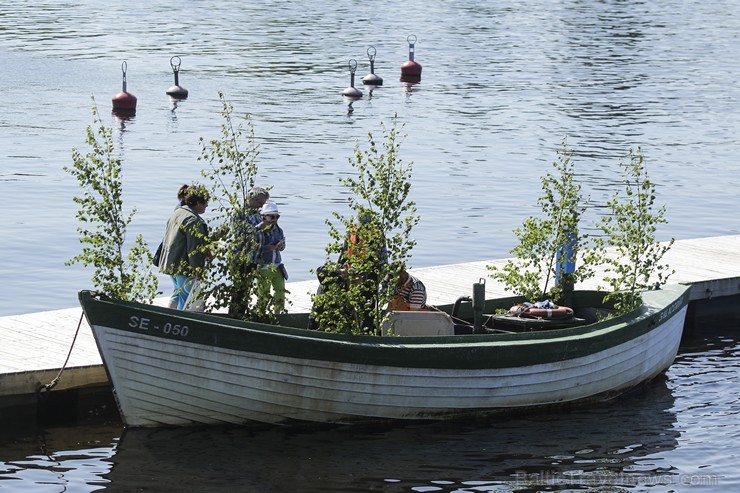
[(176, 368)]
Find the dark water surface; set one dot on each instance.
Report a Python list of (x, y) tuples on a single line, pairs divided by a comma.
[(677, 433), (503, 84)]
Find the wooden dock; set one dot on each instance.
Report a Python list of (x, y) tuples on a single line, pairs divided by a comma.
[(35, 345)]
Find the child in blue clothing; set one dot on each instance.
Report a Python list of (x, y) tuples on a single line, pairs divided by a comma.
[(271, 272)]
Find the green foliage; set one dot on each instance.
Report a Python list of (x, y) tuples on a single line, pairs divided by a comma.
[(633, 261), (630, 230), (231, 171), (120, 275), (540, 237), (374, 241)]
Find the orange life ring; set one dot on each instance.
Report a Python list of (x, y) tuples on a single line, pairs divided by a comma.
[(525, 311)]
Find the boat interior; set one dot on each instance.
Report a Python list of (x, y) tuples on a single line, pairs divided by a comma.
[(474, 315)]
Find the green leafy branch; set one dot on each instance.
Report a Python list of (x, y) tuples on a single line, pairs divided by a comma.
[(122, 275), (534, 266), (374, 241), (627, 248), (231, 170), (630, 230)]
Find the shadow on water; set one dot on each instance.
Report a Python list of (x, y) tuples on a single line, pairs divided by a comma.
[(578, 447), (60, 458)]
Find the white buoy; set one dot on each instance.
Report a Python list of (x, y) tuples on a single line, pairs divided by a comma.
[(371, 79), (351, 91), (176, 91)]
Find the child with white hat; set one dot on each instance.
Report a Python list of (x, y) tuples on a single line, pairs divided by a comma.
[(271, 273)]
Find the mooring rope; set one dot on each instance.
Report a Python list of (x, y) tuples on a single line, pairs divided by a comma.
[(47, 387)]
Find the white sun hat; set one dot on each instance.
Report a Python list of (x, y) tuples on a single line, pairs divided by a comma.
[(269, 208)]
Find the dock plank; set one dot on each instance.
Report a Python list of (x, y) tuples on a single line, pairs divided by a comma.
[(35, 345)]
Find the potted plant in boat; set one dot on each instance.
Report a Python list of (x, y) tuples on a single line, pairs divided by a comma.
[(371, 244), (544, 270)]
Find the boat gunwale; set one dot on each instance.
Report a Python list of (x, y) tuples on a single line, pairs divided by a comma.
[(459, 351)]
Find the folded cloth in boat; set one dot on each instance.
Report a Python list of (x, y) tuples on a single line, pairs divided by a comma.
[(546, 304)]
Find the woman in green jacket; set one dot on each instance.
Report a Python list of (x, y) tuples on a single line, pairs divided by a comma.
[(184, 244)]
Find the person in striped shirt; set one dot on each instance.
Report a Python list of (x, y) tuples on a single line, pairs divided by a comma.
[(410, 295)]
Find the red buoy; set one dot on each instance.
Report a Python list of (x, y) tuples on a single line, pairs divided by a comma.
[(124, 100), (411, 70)]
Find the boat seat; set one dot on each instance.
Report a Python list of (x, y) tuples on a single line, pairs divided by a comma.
[(419, 323)]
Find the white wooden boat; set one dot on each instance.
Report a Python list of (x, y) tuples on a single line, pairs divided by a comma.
[(172, 367)]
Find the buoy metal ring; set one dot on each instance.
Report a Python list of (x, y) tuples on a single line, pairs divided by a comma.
[(124, 67), (175, 65)]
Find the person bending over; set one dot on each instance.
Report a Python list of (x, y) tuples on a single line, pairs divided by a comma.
[(410, 294)]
